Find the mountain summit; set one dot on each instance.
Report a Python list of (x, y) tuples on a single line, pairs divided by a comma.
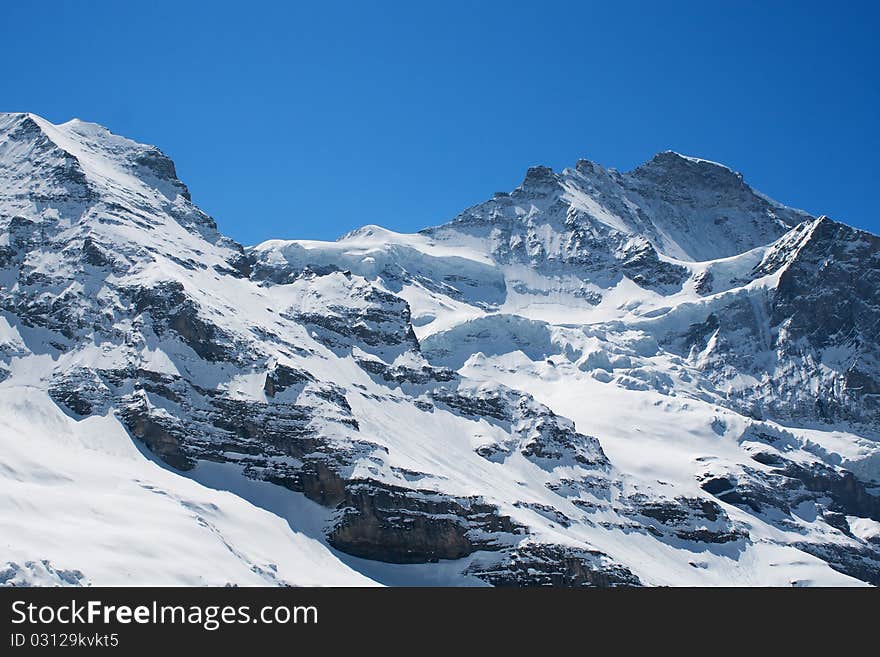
[(659, 377)]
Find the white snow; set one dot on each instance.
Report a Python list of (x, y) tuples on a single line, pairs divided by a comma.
[(81, 496)]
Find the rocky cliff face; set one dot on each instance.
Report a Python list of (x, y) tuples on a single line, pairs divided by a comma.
[(601, 378)]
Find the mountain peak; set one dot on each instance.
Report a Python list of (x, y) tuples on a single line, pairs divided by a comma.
[(587, 167), (58, 163), (669, 156), (101, 156), (669, 164), (539, 176), (19, 123)]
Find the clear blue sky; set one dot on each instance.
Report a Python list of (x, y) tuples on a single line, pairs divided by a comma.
[(310, 120)]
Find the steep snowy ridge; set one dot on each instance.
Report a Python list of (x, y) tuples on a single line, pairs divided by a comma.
[(659, 377)]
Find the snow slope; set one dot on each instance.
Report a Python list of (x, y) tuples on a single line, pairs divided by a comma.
[(111, 510)]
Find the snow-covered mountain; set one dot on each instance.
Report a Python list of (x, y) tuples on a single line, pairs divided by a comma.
[(659, 377)]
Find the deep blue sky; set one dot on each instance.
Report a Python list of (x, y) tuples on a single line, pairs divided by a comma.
[(309, 121)]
